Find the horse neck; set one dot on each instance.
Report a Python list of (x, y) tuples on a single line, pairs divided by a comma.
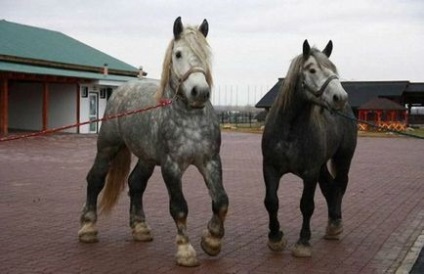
[(169, 92), (171, 87), (297, 106)]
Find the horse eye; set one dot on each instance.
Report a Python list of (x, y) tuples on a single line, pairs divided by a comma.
[(178, 54), (312, 71)]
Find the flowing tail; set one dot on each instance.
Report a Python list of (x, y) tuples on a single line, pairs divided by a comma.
[(116, 179)]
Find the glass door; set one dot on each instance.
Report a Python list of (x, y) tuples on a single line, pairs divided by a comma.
[(93, 99)]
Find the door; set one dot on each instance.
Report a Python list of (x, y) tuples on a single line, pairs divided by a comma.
[(93, 99)]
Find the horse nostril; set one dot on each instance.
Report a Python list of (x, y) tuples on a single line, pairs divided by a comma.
[(194, 92), (207, 95), (336, 98)]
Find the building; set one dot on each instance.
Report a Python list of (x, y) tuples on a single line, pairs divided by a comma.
[(404, 93), (383, 113), (48, 80)]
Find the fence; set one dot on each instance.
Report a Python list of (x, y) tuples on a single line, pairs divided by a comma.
[(240, 118)]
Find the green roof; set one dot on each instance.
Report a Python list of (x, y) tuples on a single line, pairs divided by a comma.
[(34, 43)]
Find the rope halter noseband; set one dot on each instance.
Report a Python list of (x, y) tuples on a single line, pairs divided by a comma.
[(183, 78), (318, 93), (189, 72)]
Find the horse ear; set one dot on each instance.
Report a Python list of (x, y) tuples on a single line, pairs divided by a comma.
[(178, 28), (328, 49), (204, 28), (306, 49)]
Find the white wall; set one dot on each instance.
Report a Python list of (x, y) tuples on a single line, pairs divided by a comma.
[(84, 108), (62, 106), (26, 105)]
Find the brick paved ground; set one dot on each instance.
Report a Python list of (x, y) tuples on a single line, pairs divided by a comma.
[(42, 189)]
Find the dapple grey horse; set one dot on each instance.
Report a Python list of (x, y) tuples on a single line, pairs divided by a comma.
[(183, 133)]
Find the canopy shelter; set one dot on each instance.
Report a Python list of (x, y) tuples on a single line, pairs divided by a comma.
[(49, 80), (383, 113)]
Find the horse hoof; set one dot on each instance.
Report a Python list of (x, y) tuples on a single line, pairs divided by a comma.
[(332, 237), (88, 233), (302, 251), (210, 245), (333, 231), (186, 255), (277, 246), (141, 232)]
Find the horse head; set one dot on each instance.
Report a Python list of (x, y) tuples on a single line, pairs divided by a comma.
[(320, 79), (190, 59)]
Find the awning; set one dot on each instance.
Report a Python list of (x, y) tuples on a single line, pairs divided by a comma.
[(39, 70)]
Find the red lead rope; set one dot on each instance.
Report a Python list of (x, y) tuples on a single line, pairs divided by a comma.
[(162, 103)]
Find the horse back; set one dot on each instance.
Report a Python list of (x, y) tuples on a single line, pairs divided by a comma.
[(132, 95)]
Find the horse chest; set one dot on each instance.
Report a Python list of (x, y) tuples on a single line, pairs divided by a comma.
[(189, 140), (297, 155)]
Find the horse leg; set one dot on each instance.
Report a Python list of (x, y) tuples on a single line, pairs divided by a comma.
[(171, 173), (211, 238), (95, 183), (276, 240), (137, 183), (307, 206), (335, 189), (328, 188)]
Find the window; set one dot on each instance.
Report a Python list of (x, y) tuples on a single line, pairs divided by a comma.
[(84, 92)]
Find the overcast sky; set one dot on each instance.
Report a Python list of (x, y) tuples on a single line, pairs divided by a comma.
[(253, 41)]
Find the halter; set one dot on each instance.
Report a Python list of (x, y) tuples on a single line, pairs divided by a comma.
[(318, 93), (190, 71), (183, 78)]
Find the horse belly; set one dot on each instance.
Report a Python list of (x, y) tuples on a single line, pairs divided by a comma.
[(140, 134)]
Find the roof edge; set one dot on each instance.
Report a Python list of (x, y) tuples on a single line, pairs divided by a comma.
[(50, 64), (378, 82)]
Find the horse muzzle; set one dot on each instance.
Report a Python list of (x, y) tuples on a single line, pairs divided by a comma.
[(199, 97), (339, 101)]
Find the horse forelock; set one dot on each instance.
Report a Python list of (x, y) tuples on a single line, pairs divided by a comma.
[(198, 44), (323, 60)]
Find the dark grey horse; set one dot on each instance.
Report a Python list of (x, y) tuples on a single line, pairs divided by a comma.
[(303, 133), (181, 134)]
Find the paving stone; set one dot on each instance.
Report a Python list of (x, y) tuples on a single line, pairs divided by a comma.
[(42, 189)]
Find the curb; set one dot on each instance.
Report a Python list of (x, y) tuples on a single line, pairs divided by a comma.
[(412, 256)]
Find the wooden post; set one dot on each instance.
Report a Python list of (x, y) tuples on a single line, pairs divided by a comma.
[(406, 117), (4, 107), (378, 117), (45, 110)]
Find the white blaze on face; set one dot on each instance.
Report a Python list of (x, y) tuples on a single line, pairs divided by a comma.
[(195, 85), (335, 94), (316, 76)]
